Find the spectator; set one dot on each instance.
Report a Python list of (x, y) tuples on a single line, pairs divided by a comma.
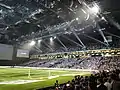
[(101, 85), (115, 82), (107, 83), (57, 85)]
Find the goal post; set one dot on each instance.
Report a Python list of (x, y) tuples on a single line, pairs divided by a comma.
[(29, 73), (38, 73)]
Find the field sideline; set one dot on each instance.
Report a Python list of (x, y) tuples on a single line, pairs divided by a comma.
[(31, 79)]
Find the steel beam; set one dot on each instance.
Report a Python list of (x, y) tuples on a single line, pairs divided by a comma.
[(113, 35), (48, 46), (73, 30), (101, 33), (96, 40), (72, 41), (62, 44)]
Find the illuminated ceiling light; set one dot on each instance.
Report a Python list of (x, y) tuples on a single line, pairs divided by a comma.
[(95, 9), (55, 37), (58, 16), (76, 6), (38, 25), (39, 10), (39, 41), (32, 32), (16, 39), (51, 39), (32, 43), (77, 19), (103, 18)]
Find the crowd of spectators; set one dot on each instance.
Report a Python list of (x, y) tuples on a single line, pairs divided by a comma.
[(103, 80), (100, 81), (95, 63)]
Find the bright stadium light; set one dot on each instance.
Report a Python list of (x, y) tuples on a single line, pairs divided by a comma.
[(55, 37), (77, 19), (103, 18), (51, 39), (39, 41), (32, 43), (95, 9)]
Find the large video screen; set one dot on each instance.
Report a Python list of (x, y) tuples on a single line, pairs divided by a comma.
[(6, 52), (23, 53)]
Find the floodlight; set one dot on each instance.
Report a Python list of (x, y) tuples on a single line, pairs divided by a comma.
[(95, 9), (77, 19), (32, 43), (55, 37), (39, 41), (51, 39), (103, 18)]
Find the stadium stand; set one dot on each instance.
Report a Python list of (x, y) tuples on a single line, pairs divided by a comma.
[(107, 79), (95, 63)]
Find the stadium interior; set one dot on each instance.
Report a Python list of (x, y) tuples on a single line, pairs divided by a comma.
[(59, 45)]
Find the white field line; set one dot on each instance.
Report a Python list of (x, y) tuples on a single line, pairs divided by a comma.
[(31, 81), (71, 74), (20, 81), (51, 77)]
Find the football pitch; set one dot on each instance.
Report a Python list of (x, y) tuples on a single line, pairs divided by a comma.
[(32, 79)]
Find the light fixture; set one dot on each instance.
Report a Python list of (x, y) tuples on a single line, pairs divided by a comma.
[(32, 43), (55, 37), (51, 39), (58, 16), (95, 9), (32, 32), (38, 25), (77, 19), (39, 41), (102, 18)]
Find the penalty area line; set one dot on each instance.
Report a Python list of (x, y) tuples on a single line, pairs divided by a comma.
[(20, 81)]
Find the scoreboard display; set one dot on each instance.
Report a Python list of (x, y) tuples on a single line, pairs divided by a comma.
[(23, 53)]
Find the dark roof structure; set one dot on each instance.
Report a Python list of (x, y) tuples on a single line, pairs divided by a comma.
[(65, 21)]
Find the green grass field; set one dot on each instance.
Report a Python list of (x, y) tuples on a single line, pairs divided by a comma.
[(10, 78)]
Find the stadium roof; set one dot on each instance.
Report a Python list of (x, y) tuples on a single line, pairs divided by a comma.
[(63, 20)]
